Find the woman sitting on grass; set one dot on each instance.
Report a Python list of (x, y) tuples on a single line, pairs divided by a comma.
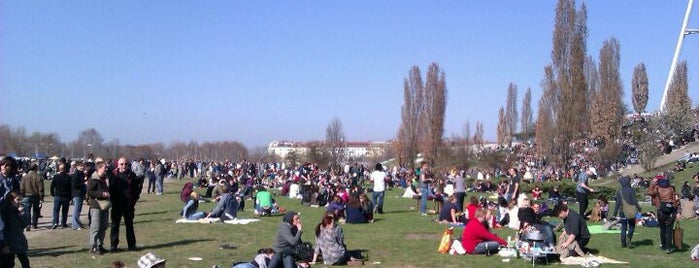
[(189, 211), (476, 239), (336, 207), (355, 213), (330, 241), (367, 206), (449, 214)]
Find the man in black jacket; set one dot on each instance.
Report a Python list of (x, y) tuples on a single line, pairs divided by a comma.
[(125, 190), (61, 192), (78, 191)]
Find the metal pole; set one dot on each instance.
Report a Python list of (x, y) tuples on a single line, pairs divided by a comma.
[(677, 54)]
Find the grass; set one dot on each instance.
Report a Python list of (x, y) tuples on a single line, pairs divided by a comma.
[(398, 238)]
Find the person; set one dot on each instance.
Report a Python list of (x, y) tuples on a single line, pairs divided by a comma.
[(378, 177), (555, 194), (666, 201), (61, 192), (330, 242), (582, 190), (8, 170), (536, 193), (425, 180), (367, 207), (139, 170), (354, 211), (32, 188), (186, 191), (15, 222), (512, 192), (124, 190), (575, 228), (476, 239), (287, 237), (626, 196), (160, 171), (472, 207), (261, 260), (78, 191), (528, 218), (152, 177), (151, 261), (459, 189), (264, 203), (227, 206), (189, 211), (337, 207), (98, 192), (449, 212)]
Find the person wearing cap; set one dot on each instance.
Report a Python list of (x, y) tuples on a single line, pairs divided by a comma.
[(151, 261), (287, 237), (626, 196), (666, 200)]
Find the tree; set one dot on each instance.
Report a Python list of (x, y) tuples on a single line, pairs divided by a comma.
[(435, 105), (546, 117), (647, 134), (526, 124), (335, 142), (607, 106), (413, 92), (90, 141), (478, 135), (678, 110), (639, 88), (511, 114), (502, 126)]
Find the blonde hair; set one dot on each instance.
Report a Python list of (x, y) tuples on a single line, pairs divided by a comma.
[(194, 195), (525, 203)]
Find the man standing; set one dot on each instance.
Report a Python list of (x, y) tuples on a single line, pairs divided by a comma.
[(160, 170), (582, 190), (61, 191), (139, 169), (378, 177), (78, 191), (32, 188), (513, 186), (124, 191), (425, 180)]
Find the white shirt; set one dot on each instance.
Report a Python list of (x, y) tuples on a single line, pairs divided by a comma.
[(379, 179)]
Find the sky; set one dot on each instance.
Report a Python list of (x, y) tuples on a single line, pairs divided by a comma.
[(255, 71)]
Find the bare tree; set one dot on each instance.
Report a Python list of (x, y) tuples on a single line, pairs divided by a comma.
[(678, 110), (511, 114), (413, 92), (335, 142), (435, 105), (502, 126), (546, 116), (608, 108), (478, 135), (639, 88), (526, 123)]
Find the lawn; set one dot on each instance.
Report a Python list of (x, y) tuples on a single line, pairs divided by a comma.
[(398, 238)]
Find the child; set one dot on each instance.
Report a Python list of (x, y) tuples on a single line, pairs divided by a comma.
[(14, 230), (604, 207)]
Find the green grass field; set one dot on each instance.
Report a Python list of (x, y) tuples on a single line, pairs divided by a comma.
[(398, 238)]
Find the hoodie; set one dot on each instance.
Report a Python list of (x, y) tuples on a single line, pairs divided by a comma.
[(628, 195)]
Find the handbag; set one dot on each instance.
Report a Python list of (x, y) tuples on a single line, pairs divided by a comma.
[(104, 204), (628, 209), (303, 252), (677, 234)]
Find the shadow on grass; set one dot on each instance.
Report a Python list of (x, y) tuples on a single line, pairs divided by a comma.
[(54, 251), (644, 242), (152, 213), (173, 243)]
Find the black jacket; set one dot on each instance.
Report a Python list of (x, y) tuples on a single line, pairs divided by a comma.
[(60, 185)]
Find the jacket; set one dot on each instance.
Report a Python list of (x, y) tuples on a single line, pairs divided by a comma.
[(32, 185), (96, 187), (60, 185)]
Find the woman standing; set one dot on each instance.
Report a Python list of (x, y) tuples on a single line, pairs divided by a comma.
[(665, 198), (626, 200), (98, 194)]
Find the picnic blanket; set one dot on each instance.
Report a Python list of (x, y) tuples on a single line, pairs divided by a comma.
[(214, 220), (588, 259), (601, 229)]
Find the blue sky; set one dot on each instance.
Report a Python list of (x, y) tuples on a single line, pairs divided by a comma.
[(255, 71)]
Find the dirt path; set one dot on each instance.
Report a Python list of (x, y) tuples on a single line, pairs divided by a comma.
[(665, 159)]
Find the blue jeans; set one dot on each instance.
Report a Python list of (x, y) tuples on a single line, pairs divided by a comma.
[(77, 209), (547, 229), (487, 247), (31, 208), (159, 184), (424, 191), (377, 199), (60, 204), (282, 260)]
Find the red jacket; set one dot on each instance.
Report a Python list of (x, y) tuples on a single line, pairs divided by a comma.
[(475, 233)]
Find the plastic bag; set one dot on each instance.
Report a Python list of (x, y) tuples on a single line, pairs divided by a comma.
[(445, 243)]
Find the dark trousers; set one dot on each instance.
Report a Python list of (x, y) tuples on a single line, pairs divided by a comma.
[(460, 196), (628, 226), (582, 201), (127, 212), (282, 260), (666, 220)]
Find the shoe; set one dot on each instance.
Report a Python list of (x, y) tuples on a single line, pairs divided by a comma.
[(54, 226), (668, 251), (97, 250), (64, 226), (27, 229), (114, 249), (423, 214), (35, 227), (134, 248)]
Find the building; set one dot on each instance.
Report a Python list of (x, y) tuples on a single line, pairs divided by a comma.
[(352, 150)]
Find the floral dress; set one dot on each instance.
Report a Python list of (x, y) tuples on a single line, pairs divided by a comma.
[(331, 243)]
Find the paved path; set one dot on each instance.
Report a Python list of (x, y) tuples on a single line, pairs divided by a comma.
[(665, 159)]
